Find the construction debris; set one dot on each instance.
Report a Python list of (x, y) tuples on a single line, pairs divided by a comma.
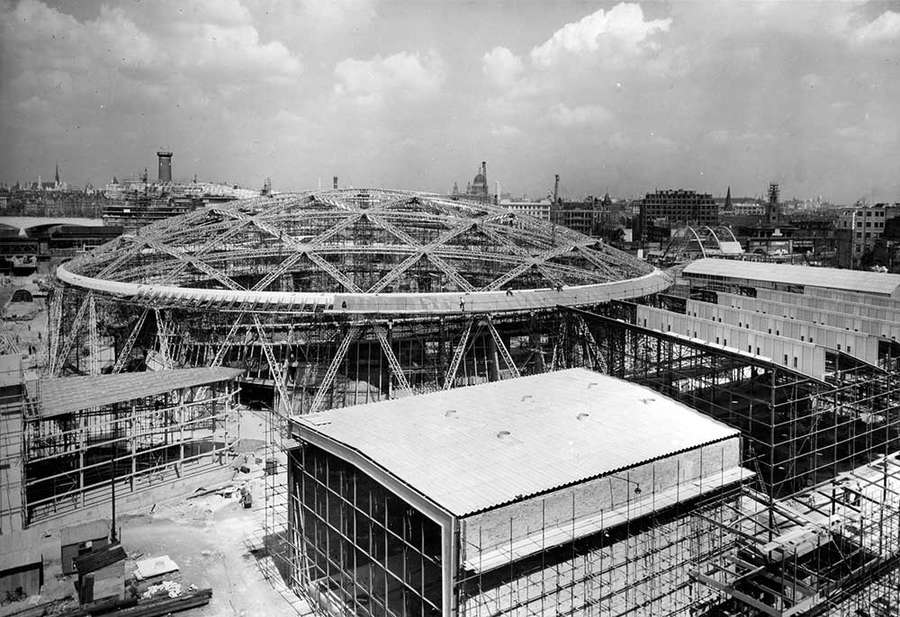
[(154, 566)]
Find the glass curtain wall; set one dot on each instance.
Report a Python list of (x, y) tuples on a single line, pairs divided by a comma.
[(361, 547)]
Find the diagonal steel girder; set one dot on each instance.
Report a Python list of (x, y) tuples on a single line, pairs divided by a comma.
[(501, 346), (586, 252), (458, 355), (306, 248), (540, 262), (537, 261), (129, 343), (54, 319), (407, 263), (70, 338), (93, 336), (336, 274), (592, 346), (200, 265), (283, 267), (451, 272), (393, 362), (226, 343), (331, 373), (162, 335), (182, 266), (274, 367)]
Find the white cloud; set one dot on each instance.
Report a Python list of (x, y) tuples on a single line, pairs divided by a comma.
[(505, 131), (403, 75), (583, 115), (621, 29), (885, 27), (502, 66), (317, 21), (211, 47)]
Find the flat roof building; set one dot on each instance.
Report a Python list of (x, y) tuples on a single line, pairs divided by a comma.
[(794, 278), (525, 496)]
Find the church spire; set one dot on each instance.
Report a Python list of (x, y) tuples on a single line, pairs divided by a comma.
[(728, 199), (57, 174)]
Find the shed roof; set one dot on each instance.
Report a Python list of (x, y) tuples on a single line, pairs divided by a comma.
[(472, 449), (99, 558), (61, 395), (830, 278)]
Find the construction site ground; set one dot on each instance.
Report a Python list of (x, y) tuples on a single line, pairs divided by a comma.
[(215, 541)]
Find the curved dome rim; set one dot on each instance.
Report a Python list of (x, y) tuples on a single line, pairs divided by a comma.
[(387, 303)]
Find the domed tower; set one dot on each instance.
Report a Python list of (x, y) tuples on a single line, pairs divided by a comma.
[(479, 188)]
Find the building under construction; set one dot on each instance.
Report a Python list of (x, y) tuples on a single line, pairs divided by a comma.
[(340, 297), (345, 298), (557, 494), (72, 444), (804, 362)]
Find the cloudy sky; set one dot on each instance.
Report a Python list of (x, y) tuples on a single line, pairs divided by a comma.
[(621, 97)]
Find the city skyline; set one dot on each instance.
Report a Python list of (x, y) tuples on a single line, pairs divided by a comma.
[(622, 97)]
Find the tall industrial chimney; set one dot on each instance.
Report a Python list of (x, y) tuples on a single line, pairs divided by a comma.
[(335, 182), (773, 209), (165, 166)]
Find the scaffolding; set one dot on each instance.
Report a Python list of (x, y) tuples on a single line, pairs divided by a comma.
[(833, 549), (637, 564), (798, 430), (69, 458)]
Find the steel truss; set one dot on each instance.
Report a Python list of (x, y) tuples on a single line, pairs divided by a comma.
[(371, 241)]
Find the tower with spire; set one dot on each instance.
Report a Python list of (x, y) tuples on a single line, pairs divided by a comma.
[(728, 205), (56, 177)]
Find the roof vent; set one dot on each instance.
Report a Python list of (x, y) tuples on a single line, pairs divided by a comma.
[(583, 415), (449, 413), (527, 397), (503, 434)]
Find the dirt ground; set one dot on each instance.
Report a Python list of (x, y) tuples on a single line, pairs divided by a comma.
[(210, 540), (214, 540)]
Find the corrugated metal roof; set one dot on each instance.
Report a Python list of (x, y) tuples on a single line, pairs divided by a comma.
[(830, 278), (67, 394), (470, 449)]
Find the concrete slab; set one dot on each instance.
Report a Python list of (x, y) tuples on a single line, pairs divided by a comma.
[(154, 566)]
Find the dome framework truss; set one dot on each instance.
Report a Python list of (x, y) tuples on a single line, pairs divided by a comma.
[(351, 243), (339, 297)]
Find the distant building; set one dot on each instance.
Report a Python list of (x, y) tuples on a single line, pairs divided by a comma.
[(582, 216), (773, 207), (664, 211), (747, 208), (136, 202), (539, 209), (864, 226), (165, 166), (478, 188)]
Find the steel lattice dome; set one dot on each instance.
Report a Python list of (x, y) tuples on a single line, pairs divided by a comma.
[(363, 251)]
